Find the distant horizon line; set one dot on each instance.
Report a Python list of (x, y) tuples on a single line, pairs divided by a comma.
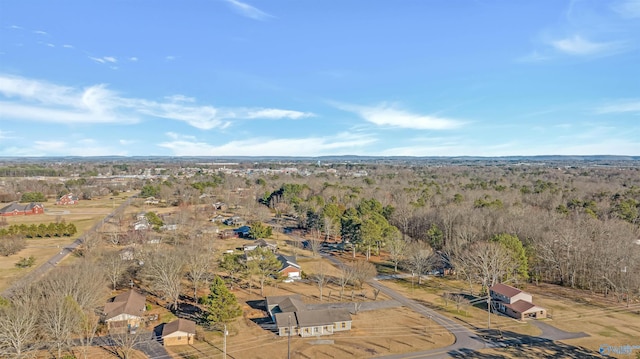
[(634, 157)]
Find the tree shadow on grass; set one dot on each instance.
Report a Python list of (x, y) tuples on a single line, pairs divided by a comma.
[(515, 345)]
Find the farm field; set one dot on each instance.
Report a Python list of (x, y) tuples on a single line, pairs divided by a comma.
[(84, 215)]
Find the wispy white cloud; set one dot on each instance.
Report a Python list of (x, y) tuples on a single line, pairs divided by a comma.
[(126, 142), (15, 27), (170, 58), (247, 10), (40, 32), (310, 146), (5, 135), (391, 116), (133, 59), (104, 59), (577, 45), (45, 102), (273, 113), (621, 106), (627, 8), (67, 46)]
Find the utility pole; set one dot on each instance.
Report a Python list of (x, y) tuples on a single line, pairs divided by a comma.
[(224, 344), (288, 340), (489, 310)]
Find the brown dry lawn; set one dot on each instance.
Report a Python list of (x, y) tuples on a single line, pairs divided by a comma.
[(84, 215), (403, 332), (572, 310)]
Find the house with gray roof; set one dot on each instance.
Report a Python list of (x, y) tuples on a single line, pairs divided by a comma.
[(17, 209), (291, 315)]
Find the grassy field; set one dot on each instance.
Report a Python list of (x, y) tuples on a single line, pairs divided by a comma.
[(605, 321), (402, 332), (84, 215)]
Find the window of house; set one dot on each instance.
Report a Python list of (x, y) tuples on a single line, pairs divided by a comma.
[(343, 325), (179, 338)]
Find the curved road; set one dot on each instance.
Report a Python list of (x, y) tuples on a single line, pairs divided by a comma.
[(465, 340), (53, 261)]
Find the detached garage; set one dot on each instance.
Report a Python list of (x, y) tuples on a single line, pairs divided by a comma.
[(178, 332)]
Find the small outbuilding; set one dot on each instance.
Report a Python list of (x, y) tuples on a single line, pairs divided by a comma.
[(179, 332)]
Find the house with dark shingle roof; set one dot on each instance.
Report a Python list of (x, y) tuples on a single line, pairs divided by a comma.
[(17, 209), (515, 303), (290, 267), (123, 313), (291, 314)]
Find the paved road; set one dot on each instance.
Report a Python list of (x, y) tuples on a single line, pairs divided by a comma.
[(466, 341), (57, 258)]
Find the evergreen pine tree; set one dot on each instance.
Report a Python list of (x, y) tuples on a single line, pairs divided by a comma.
[(221, 304)]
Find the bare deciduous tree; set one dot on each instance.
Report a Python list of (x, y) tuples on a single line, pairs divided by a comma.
[(114, 267), (346, 275), (417, 258), (18, 322), (397, 251), (199, 263), (165, 270), (125, 342), (59, 320), (320, 277), (362, 271)]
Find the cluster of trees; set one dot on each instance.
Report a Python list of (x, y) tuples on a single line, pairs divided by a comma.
[(56, 311), (53, 229), (574, 226), (33, 197)]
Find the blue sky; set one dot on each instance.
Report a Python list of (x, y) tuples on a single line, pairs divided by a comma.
[(319, 77)]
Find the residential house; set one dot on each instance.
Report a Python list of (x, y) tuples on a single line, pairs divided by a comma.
[(218, 206), (218, 218), (515, 303), (290, 268), (242, 232), (123, 313), (441, 264), (234, 221), (151, 200), (260, 243), (17, 209), (292, 317), (141, 225), (68, 198), (178, 332)]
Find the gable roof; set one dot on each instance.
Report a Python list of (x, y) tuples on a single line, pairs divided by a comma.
[(522, 306), (506, 290), (179, 325), (129, 302), (312, 318), (287, 261), (15, 206), (286, 303)]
